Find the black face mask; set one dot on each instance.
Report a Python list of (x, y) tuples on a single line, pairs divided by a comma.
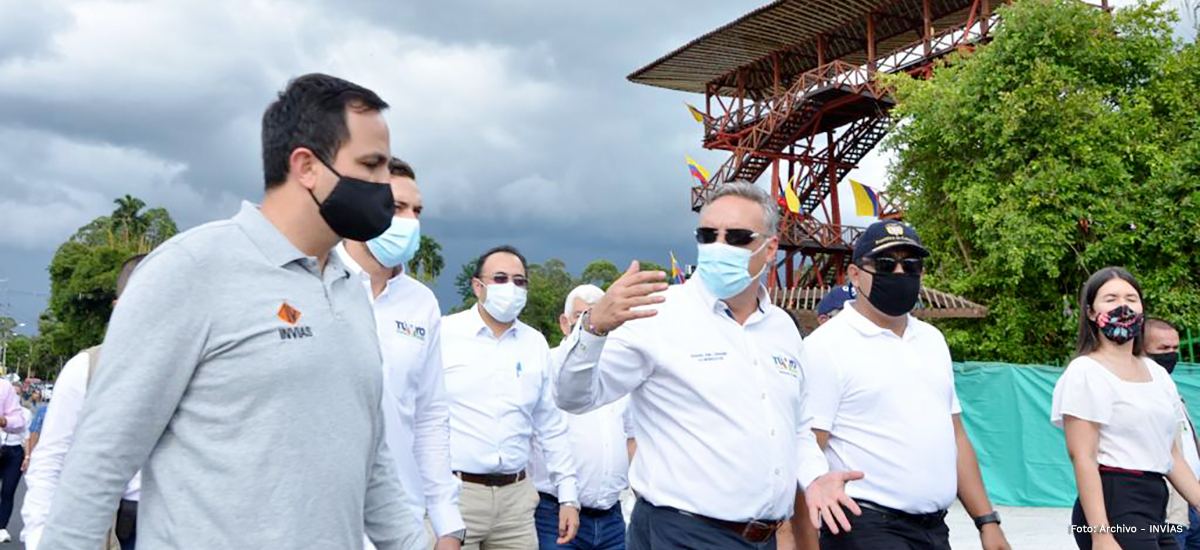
[(357, 210), (894, 294), (1167, 360)]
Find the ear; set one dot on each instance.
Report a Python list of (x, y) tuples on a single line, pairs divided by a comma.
[(564, 324), (480, 290), (302, 166)]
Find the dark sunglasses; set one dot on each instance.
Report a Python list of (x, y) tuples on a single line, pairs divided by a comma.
[(502, 278), (735, 237), (910, 266)]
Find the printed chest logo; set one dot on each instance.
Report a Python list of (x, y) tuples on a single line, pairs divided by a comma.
[(410, 330), (709, 356), (786, 365), (291, 316)]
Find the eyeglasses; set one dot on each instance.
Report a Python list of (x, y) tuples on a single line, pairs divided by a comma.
[(885, 264), (735, 237), (502, 278)]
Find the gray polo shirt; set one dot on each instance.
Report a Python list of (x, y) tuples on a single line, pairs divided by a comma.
[(248, 384)]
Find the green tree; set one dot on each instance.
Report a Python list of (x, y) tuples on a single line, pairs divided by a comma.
[(84, 269), (549, 284), (1070, 142), (462, 282), (428, 263), (600, 273)]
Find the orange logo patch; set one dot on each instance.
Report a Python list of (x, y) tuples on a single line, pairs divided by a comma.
[(289, 314)]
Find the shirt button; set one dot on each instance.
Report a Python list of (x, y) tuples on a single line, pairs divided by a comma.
[(772, 433), (764, 396), (776, 471)]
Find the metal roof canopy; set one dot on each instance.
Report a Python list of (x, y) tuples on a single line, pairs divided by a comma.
[(793, 30)]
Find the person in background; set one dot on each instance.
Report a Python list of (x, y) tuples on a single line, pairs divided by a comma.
[(12, 457), (1120, 412), (602, 444), (833, 302), (41, 480), (1162, 346), (35, 427), (498, 382), (408, 321)]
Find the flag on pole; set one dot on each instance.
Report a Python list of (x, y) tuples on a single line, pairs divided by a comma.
[(698, 171), (676, 274), (696, 114), (866, 201), (789, 193)]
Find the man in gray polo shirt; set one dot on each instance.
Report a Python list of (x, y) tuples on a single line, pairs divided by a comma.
[(241, 369)]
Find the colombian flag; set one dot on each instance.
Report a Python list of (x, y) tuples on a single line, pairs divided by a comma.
[(789, 194), (698, 171), (676, 274), (866, 202)]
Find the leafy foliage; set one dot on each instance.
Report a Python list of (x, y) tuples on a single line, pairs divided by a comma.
[(1069, 143), (426, 266), (83, 273)]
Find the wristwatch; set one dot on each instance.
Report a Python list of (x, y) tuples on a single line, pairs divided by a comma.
[(588, 327), (985, 519)]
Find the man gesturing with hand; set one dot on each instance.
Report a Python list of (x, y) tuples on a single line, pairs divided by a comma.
[(715, 381)]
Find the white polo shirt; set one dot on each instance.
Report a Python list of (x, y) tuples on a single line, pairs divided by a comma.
[(416, 412), (1137, 419), (500, 397), (888, 403), (599, 447), (720, 425)]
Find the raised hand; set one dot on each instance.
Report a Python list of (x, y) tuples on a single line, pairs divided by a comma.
[(826, 497), (635, 288)]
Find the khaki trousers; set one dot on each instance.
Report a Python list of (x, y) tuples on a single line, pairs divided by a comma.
[(499, 518)]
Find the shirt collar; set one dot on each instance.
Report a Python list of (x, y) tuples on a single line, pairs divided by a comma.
[(717, 305), (476, 326), (869, 328), (266, 236)]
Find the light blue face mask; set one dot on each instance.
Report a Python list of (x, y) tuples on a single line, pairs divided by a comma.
[(398, 244), (725, 269)]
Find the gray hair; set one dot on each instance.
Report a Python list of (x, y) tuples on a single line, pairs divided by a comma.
[(747, 190), (588, 293)]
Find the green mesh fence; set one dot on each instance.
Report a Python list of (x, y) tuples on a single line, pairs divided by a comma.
[(1006, 411)]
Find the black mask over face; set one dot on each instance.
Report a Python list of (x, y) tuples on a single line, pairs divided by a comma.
[(1167, 360), (894, 294), (356, 209)]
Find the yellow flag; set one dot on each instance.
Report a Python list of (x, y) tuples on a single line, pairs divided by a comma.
[(789, 193), (866, 202), (696, 114), (698, 171)]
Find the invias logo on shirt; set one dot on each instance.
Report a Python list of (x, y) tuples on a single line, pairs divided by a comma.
[(291, 316), (786, 365), (410, 330)]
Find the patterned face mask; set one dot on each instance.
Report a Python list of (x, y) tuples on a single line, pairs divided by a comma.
[(1120, 325)]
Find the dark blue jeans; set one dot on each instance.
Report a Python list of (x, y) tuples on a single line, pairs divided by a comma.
[(656, 528), (604, 532), (1190, 539)]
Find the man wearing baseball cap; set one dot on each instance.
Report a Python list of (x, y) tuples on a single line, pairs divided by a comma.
[(833, 303), (880, 388)]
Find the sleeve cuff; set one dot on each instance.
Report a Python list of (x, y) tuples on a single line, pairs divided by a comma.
[(568, 491), (589, 346), (811, 469), (445, 519)]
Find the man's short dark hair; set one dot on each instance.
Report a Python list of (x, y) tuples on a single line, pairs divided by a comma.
[(127, 272), (310, 113), (401, 169), (1160, 324), (497, 250)]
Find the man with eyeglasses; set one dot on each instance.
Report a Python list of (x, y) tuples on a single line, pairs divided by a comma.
[(881, 392), (498, 383), (713, 371)]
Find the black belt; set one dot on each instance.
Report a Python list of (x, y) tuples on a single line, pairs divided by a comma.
[(932, 519), (754, 531), (583, 510), (1128, 473), (492, 480)]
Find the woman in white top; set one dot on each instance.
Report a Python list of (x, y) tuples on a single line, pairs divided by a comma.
[(1120, 413)]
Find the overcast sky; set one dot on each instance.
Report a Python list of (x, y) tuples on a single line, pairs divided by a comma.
[(515, 113)]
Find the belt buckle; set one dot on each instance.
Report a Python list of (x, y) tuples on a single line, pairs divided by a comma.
[(756, 524)]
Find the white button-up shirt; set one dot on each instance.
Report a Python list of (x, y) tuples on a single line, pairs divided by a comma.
[(415, 410), (599, 444), (500, 398), (720, 425), (888, 404), (58, 432)]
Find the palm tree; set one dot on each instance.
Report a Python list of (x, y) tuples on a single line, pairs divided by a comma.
[(427, 264), (127, 217)]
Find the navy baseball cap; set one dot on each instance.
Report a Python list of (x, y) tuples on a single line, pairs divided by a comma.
[(885, 235), (836, 299)]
